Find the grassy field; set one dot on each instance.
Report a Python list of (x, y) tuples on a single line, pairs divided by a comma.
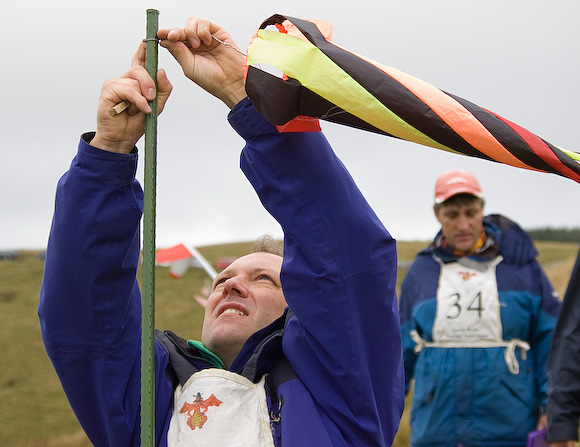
[(33, 409)]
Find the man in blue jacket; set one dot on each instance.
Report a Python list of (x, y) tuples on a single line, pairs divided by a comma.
[(303, 350), (477, 315)]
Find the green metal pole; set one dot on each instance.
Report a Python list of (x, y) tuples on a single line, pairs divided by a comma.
[(148, 293)]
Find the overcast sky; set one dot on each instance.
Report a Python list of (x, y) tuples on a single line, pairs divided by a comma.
[(518, 58)]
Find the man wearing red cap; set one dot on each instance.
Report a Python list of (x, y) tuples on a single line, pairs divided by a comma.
[(477, 316)]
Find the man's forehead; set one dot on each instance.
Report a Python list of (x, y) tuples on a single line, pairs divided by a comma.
[(461, 206), (256, 261)]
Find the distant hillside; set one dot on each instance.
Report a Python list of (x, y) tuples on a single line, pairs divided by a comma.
[(560, 234)]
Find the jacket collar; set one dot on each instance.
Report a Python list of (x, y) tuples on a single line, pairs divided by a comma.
[(488, 249)]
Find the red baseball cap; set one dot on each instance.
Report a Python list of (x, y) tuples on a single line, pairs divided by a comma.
[(456, 182)]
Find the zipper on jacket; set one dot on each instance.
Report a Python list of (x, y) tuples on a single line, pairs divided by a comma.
[(187, 353)]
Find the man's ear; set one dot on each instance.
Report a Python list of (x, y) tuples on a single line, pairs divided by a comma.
[(436, 211)]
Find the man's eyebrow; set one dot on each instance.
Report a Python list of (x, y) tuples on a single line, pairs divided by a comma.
[(227, 271), (252, 271), (224, 273)]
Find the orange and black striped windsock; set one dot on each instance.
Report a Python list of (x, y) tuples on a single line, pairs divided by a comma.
[(315, 78)]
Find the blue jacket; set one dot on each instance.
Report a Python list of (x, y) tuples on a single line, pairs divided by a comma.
[(339, 346), (467, 396), (564, 366)]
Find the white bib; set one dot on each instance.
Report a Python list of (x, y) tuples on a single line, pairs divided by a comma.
[(220, 408), (468, 314), (467, 304)]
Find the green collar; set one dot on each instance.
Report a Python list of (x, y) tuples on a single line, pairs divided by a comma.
[(207, 354)]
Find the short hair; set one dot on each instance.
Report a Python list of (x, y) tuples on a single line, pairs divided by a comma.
[(459, 200), (267, 244)]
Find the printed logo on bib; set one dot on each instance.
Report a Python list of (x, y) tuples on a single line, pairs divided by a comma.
[(466, 275), (239, 418), (467, 304), (196, 410)]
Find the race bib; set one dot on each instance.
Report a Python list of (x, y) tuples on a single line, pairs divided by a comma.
[(468, 308)]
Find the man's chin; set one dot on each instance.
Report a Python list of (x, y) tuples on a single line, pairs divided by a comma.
[(463, 244), (228, 335)]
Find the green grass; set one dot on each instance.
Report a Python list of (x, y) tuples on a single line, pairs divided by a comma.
[(34, 411)]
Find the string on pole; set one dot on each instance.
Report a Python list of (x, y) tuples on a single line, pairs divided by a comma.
[(148, 292)]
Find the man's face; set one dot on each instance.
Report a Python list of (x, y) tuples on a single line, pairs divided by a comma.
[(461, 224), (246, 297)]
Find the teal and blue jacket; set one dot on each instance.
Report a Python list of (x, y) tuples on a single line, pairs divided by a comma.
[(468, 396), (334, 360)]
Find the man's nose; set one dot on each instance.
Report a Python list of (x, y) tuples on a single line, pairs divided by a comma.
[(463, 222), (236, 285)]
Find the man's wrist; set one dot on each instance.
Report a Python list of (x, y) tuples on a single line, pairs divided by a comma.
[(119, 147)]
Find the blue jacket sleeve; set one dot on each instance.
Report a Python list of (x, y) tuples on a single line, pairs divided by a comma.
[(89, 307), (338, 276), (564, 366), (416, 305), (409, 295), (543, 327)]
